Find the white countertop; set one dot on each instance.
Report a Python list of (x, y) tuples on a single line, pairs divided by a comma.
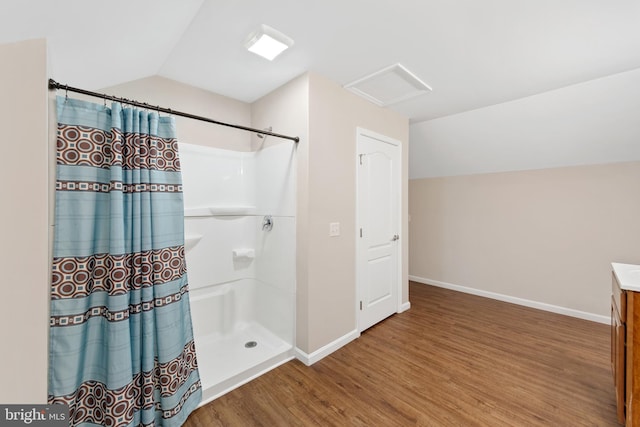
[(628, 276)]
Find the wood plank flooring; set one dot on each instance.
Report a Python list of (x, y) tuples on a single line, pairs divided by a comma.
[(452, 360)]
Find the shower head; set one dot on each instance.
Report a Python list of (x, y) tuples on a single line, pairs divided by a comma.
[(261, 135)]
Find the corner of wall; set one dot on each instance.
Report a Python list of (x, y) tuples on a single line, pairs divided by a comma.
[(310, 359), (286, 110), (25, 262)]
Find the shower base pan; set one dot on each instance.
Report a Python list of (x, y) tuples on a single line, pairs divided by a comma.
[(228, 361)]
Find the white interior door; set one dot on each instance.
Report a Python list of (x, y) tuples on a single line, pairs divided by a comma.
[(378, 230)]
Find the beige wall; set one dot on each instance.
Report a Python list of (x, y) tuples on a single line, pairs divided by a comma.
[(326, 116), (334, 115), (181, 97), (544, 238), (542, 235), (286, 111), (24, 307)]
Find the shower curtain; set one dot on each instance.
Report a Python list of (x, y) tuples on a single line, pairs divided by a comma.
[(121, 341)]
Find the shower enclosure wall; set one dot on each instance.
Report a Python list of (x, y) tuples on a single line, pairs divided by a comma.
[(240, 254)]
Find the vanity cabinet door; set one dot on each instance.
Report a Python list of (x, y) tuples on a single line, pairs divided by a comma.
[(618, 359)]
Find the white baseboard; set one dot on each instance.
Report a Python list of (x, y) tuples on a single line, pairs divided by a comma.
[(310, 359), (404, 307), (515, 300)]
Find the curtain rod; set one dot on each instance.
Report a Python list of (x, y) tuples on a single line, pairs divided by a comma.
[(55, 85)]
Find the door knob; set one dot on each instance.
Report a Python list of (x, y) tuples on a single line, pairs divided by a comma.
[(395, 237)]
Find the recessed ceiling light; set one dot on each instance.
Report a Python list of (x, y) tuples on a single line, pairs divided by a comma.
[(267, 42)]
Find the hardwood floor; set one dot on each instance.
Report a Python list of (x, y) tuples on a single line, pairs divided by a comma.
[(452, 360)]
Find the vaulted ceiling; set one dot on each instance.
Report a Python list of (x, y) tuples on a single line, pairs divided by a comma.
[(472, 53)]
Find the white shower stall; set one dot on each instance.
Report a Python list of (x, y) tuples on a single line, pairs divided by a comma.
[(240, 254)]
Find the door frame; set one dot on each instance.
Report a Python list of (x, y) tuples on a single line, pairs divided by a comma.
[(360, 132)]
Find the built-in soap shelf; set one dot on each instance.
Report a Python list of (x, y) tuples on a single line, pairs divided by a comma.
[(220, 211), (244, 254), (190, 241)]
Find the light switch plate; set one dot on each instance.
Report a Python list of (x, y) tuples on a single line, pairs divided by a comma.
[(334, 229)]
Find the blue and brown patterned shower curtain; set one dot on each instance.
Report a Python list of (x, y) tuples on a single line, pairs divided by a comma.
[(121, 341)]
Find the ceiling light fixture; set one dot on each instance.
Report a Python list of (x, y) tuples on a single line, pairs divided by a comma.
[(267, 42)]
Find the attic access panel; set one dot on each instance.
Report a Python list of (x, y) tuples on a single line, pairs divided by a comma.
[(389, 86)]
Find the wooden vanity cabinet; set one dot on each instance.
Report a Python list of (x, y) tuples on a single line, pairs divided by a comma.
[(625, 361)]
